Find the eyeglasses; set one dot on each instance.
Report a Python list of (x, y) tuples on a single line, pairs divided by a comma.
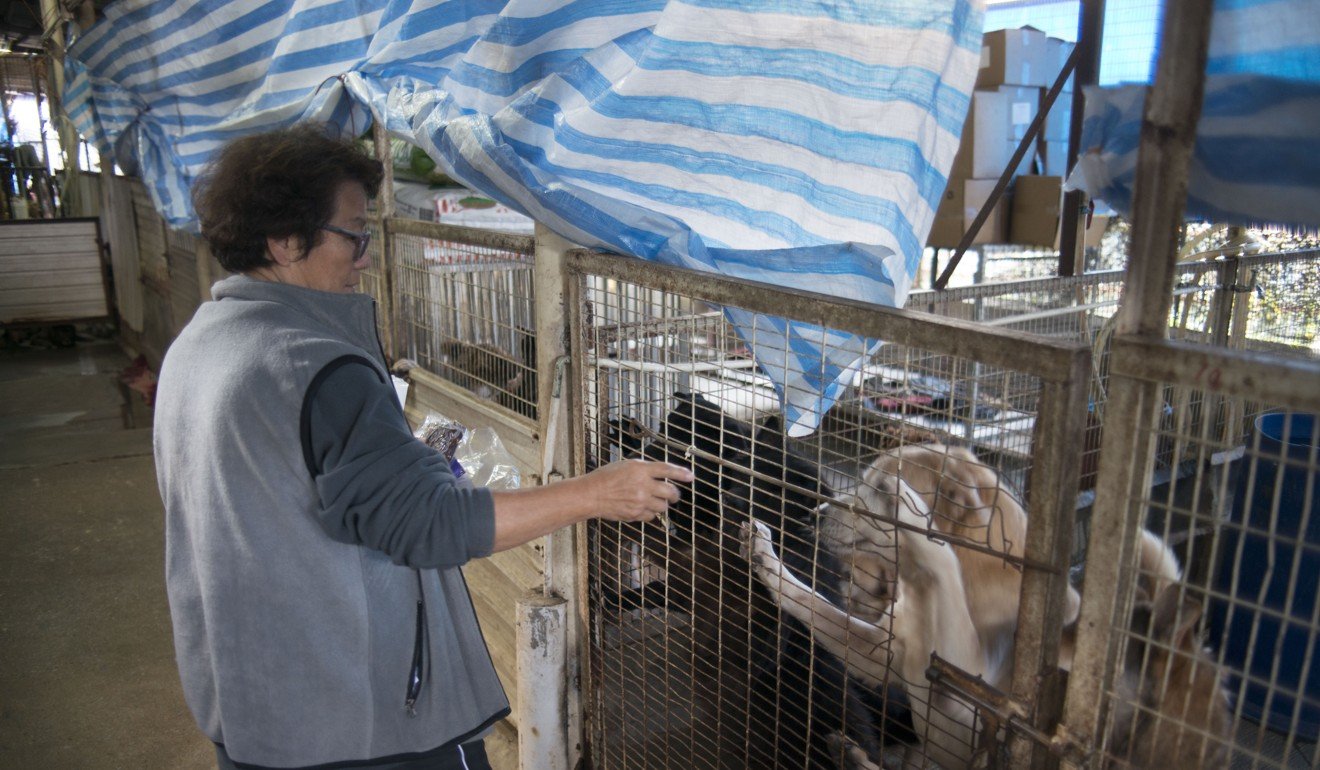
[(362, 239)]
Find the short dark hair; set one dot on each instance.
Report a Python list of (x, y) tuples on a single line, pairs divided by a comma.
[(276, 184)]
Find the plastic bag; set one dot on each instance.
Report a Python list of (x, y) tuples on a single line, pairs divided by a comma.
[(476, 456)]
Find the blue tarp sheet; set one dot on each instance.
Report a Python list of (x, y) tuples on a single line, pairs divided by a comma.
[(802, 143), (1257, 154)]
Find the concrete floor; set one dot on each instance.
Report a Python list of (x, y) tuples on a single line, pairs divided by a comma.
[(87, 674), (88, 677)]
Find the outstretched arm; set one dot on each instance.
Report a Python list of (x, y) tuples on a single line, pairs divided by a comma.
[(862, 646), (628, 490)]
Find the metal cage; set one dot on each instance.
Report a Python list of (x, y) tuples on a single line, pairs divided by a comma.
[(462, 307), (692, 658), (1206, 657)]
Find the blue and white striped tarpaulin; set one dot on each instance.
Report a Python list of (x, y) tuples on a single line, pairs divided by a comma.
[(1257, 154), (798, 142)]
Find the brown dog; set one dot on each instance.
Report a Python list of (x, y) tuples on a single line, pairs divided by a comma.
[(968, 499), (1171, 712), (905, 600)]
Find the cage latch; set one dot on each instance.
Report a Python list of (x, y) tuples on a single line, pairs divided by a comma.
[(998, 709), (1253, 285)]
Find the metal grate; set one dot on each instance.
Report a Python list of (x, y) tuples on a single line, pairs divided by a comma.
[(464, 310), (1216, 654), (694, 660), (1268, 302), (1279, 304)]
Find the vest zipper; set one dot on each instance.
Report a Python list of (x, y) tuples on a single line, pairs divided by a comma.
[(417, 671)]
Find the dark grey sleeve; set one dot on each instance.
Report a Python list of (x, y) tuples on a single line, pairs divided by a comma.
[(381, 487)]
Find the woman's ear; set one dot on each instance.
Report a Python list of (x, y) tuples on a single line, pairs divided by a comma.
[(285, 250)]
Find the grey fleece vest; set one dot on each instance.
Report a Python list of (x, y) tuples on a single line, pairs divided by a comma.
[(294, 649)]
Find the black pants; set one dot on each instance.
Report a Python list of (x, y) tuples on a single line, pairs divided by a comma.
[(467, 756)]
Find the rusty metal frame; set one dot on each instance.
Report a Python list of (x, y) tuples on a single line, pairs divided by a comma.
[(1064, 370), (1224, 372), (1053, 359), (1038, 685), (1168, 133)]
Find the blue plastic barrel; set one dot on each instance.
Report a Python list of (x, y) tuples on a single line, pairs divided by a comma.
[(1288, 638)]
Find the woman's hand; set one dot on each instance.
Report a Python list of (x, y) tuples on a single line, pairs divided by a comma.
[(634, 490), (628, 490)]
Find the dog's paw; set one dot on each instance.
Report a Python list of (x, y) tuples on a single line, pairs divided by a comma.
[(756, 546), (848, 754)]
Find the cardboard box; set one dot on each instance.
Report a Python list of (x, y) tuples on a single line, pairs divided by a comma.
[(1091, 238), (1058, 121), (947, 229), (1056, 55), (1055, 158), (975, 193), (996, 122), (1036, 204), (1015, 57), (1023, 104)]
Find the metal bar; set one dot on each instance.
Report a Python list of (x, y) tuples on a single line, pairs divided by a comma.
[(389, 319), (992, 289), (1029, 140), (1070, 309), (18, 174), (1221, 320), (1052, 357), (1168, 132), (1249, 374), (520, 244), (543, 693), (1090, 33), (1057, 444), (46, 170)]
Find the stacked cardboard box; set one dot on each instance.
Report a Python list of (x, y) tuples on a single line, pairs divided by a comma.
[(1035, 216), (1017, 68), (1054, 137)]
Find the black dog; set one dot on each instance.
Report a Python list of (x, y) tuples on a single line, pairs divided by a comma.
[(800, 694)]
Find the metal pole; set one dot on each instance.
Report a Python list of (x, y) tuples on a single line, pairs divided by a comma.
[(1057, 444), (542, 653), (13, 152), (41, 129), (389, 321), (1168, 133), (1090, 34)]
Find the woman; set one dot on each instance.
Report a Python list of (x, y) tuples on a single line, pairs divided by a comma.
[(312, 544)]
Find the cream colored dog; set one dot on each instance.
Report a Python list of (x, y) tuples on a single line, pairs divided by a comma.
[(969, 499), (905, 600)]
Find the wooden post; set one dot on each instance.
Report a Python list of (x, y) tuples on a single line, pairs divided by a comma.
[(556, 384)]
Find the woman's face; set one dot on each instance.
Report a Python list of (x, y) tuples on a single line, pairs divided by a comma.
[(331, 265)]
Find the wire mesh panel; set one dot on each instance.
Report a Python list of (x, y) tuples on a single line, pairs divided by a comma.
[(1278, 304), (784, 612), (464, 309), (1215, 649)]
